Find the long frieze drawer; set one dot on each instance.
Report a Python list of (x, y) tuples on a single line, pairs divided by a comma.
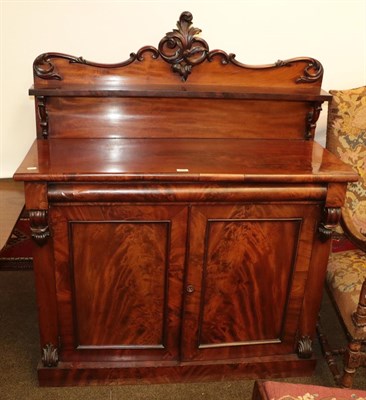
[(184, 192)]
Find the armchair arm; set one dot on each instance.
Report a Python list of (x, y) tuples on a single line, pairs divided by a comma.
[(351, 232)]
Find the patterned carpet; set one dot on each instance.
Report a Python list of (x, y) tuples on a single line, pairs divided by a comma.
[(17, 252)]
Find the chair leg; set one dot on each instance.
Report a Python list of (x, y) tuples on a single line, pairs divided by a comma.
[(329, 354), (352, 360), (354, 357), (359, 316)]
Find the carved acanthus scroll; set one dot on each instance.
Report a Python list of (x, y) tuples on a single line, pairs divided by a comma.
[(45, 69), (312, 73), (182, 47), (305, 347), (50, 355), (39, 226)]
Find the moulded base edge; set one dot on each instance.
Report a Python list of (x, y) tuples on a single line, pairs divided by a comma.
[(81, 374)]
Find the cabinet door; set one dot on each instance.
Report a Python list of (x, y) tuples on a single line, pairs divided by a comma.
[(119, 272), (246, 279)]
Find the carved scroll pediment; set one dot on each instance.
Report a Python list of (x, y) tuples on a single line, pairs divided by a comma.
[(183, 48)]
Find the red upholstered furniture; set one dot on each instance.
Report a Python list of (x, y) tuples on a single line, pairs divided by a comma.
[(269, 390)]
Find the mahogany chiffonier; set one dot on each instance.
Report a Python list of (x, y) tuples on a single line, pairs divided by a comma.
[(181, 213)]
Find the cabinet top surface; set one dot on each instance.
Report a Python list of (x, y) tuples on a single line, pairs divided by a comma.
[(236, 160)]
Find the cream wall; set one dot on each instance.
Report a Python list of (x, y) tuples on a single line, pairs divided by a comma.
[(258, 31)]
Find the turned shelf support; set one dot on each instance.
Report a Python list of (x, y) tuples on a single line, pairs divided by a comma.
[(42, 115), (311, 120)]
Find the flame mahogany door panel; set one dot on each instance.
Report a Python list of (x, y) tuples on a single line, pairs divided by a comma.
[(119, 274), (246, 279)]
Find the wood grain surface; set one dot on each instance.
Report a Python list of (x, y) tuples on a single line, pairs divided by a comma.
[(119, 295), (249, 282), (239, 160), (110, 117)]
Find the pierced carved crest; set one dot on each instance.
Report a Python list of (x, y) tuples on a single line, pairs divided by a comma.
[(182, 47)]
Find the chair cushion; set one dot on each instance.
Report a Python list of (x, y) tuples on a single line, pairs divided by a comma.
[(345, 275), (291, 391), (346, 138)]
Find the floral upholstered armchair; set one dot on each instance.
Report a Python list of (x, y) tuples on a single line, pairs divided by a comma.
[(346, 276)]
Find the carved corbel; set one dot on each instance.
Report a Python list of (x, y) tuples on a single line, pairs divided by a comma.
[(305, 347), (43, 115), (311, 120), (50, 355), (39, 226), (330, 220)]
